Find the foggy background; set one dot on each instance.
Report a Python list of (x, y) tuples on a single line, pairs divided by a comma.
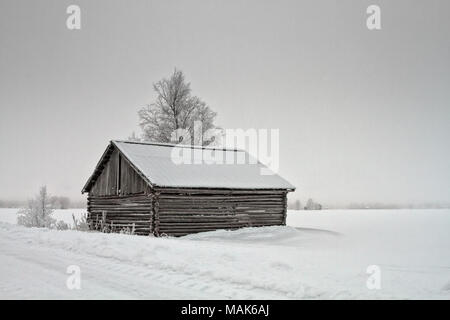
[(363, 115)]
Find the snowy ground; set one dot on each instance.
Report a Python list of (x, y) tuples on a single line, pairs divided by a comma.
[(319, 255)]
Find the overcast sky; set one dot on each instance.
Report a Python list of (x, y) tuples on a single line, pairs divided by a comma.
[(363, 115)]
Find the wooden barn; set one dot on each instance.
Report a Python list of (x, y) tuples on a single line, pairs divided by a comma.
[(139, 186)]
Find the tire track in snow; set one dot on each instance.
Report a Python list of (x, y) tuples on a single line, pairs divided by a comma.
[(108, 277)]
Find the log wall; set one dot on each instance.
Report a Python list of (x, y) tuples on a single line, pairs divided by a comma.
[(181, 212), (122, 212)]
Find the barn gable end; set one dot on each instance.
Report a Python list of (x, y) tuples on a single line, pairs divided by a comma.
[(118, 198), (114, 175)]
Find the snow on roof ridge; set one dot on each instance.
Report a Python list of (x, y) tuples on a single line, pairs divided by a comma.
[(163, 144), (156, 169)]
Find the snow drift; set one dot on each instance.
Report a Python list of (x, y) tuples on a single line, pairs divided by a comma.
[(319, 255)]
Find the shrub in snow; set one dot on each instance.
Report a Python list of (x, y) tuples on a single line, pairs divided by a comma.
[(61, 225), (128, 230), (38, 213), (80, 224), (105, 227)]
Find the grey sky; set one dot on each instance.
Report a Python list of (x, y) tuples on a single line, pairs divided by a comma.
[(363, 115)]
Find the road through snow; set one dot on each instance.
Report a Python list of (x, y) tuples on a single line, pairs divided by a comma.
[(29, 272), (320, 255)]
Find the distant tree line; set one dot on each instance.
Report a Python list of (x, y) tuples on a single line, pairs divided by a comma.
[(310, 205), (12, 203), (57, 202)]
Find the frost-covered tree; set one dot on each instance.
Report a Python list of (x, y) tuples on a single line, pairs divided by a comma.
[(176, 108), (39, 211)]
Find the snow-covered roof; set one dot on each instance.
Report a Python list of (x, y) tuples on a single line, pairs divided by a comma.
[(162, 165)]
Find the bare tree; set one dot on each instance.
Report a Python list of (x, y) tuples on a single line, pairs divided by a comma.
[(39, 211), (175, 108)]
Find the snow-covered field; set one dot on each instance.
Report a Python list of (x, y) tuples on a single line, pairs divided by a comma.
[(318, 255)]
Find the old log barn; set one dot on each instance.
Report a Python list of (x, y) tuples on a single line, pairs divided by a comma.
[(139, 186)]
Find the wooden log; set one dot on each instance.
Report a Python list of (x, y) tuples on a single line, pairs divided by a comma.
[(155, 206), (214, 191)]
